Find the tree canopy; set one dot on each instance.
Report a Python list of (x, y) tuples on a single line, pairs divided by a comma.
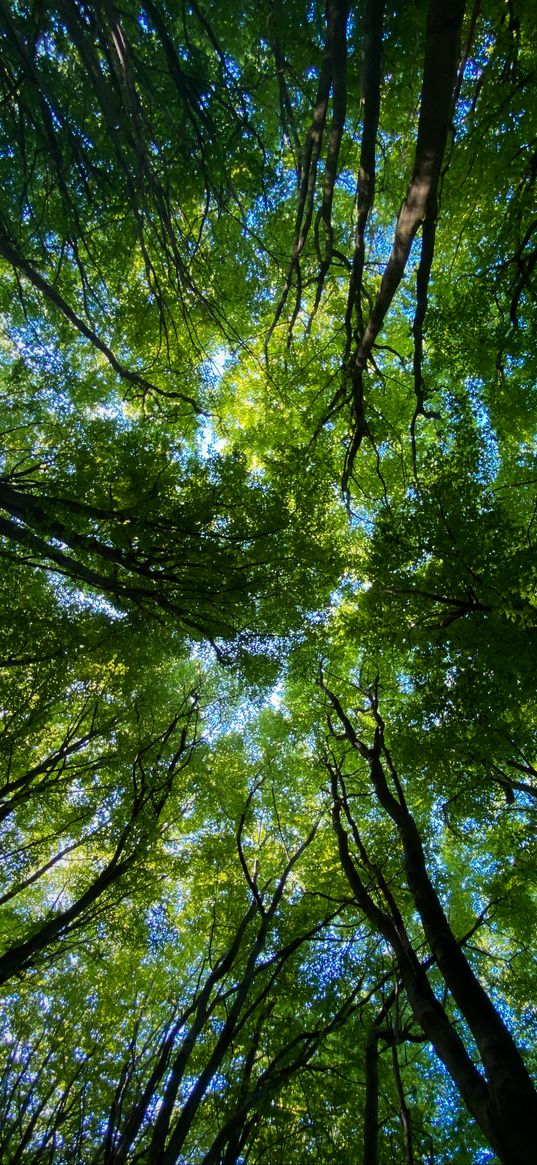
[(268, 736)]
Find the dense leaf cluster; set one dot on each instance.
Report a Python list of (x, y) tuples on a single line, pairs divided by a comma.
[(268, 742)]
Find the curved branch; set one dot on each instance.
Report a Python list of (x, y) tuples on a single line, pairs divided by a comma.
[(19, 263)]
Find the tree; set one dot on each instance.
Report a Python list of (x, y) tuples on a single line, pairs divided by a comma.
[(495, 1095), (267, 510)]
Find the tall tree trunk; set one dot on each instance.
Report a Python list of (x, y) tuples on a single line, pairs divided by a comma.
[(503, 1100)]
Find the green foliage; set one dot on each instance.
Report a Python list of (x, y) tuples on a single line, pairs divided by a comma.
[(268, 598)]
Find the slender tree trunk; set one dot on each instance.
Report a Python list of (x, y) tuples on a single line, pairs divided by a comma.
[(444, 23), (503, 1100)]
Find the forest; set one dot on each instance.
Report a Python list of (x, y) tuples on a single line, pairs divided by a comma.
[(268, 518)]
